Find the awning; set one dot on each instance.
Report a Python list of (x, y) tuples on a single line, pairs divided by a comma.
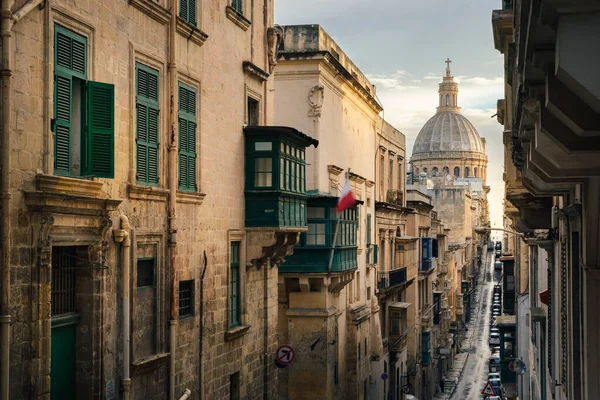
[(400, 304), (537, 314)]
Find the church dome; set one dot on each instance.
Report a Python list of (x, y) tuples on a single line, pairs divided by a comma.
[(448, 131)]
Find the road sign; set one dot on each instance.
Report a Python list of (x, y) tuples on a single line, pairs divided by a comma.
[(384, 376), (285, 354), (488, 389)]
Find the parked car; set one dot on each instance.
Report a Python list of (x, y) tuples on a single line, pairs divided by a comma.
[(498, 388), (498, 265), (493, 398), (494, 364), (493, 375), (498, 245), (494, 330), (494, 339), (496, 307), (497, 289), (498, 253)]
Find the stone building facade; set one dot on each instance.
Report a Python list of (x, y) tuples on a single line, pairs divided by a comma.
[(127, 268), (550, 117), (397, 262), (328, 311)]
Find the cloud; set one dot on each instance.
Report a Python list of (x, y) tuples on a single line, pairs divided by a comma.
[(398, 80), (478, 80)]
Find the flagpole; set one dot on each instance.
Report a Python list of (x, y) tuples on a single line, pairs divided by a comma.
[(337, 228)]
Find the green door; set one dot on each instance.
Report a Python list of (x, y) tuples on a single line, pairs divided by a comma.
[(62, 364)]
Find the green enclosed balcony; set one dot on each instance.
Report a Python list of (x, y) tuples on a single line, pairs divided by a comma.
[(275, 168), (312, 253)]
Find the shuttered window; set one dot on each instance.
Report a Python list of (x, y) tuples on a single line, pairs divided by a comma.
[(234, 285), (187, 137), (187, 11), (147, 112), (83, 121), (238, 6)]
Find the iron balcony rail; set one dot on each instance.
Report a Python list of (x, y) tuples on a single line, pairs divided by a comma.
[(392, 278)]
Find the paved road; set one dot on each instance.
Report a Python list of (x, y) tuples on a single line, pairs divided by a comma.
[(474, 374)]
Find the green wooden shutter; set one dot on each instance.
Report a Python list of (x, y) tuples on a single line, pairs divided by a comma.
[(100, 139), (237, 5), (70, 55), (147, 156), (187, 137), (62, 120), (187, 11)]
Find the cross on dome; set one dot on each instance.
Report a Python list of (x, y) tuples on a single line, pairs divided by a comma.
[(448, 61)]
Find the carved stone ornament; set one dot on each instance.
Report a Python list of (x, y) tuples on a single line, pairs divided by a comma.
[(316, 95), (274, 39)]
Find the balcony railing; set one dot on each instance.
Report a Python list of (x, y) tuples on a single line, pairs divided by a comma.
[(395, 197), (428, 265), (392, 279)]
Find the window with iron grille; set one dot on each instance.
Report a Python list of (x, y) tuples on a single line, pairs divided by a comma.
[(63, 293), (186, 299), (234, 285), (563, 314)]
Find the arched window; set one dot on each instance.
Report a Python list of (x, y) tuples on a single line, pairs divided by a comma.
[(446, 171), (475, 172), (447, 99), (434, 171), (417, 172), (424, 170), (457, 172), (467, 172)]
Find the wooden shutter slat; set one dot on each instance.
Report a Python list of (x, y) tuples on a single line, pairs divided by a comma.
[(100, 139), (192, 12), (62, 115)]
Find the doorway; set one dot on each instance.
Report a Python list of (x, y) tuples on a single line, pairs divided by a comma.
[(65, 319)]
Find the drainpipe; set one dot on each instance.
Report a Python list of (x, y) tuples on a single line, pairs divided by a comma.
[(186, 395), (5, 317), (122, 236), (202, 322), (172, 160)]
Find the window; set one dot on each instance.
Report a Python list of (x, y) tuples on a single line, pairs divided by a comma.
[(400, 176), (381, 177), (359, 352), (365, 348), (316, 234), (234, 285), (446, 171), (187, 137), (322, 223), (391, 176), (467, 172), (368, 229), (147, 110), (234, 386), (447, 100), (187, 11), (457, 172), (238, 6), (434, 171), (263, 172), (253, 112), (83, 121), (186, 299), (475, 172), (145, 272), (292, 169)]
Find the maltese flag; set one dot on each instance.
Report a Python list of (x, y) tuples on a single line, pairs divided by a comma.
[(346, 199)]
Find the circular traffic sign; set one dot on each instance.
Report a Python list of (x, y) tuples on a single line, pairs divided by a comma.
[(406, 388), (384, 376), (285, 354)]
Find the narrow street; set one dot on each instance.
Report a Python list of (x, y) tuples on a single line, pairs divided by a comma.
[(474, 374)]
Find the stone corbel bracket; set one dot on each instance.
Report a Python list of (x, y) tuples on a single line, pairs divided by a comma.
[(337, 283), (266, 247)]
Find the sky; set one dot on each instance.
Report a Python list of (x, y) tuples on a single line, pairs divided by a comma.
[(401, 46)]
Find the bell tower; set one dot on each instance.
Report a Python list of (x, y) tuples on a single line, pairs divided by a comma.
[(448, 91)]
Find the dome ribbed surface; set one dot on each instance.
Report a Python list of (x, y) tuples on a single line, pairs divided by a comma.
[(448, 131)]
